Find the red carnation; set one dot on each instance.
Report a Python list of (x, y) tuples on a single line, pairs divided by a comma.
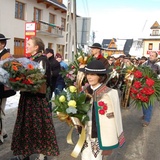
[(137, 84), (101, 103), (133, 90), (101, 111), (150, 82), (147, 90), (105, 107), (144, 98), (138, 74)]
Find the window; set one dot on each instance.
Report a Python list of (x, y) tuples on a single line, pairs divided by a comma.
[(37, 17), (150, 46), (37, 14), (19, 10), (52, 18), (63, 23), (60, 49), (50, 45), (155, 32), (51, 21)]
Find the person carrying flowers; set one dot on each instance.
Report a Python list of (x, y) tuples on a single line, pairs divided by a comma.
[(104, 129), (34, 131), (5, 92), (152, 62)]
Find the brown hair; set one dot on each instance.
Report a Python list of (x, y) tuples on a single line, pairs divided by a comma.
[(39, 43), (4, 42), (102, 78)]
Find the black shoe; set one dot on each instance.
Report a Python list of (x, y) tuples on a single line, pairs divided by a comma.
[(5, 136)]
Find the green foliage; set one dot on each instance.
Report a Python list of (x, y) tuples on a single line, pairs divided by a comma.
[(79, 110), (70, 74)]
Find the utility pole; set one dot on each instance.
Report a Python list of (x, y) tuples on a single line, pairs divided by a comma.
[(71, 32)]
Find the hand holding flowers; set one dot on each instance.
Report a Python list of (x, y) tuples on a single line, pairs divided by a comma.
[(71, 107)]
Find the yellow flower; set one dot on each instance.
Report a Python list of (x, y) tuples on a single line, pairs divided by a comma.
[(73, 89), (72, 103), (62, 98)]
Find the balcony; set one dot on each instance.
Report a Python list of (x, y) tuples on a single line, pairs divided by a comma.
[(49, 29)]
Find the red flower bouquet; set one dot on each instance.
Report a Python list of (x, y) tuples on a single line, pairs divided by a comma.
[(24, 77), (146, 87)]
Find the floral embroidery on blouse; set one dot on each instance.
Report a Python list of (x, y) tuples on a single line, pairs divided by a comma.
[(102, 107)]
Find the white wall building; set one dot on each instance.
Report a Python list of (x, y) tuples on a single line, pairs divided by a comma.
[(15, 13)]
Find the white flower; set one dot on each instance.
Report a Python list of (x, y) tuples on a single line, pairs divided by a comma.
[(71, 110)]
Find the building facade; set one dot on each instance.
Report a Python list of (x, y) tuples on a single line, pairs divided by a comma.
[(152, 42), (49, 16)]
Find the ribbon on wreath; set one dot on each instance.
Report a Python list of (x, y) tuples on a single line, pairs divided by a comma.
[(128, 80), (78, 147), (80, 75), (75, 123)]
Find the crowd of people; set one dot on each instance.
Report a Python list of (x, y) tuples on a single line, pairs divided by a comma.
[(34, 132)]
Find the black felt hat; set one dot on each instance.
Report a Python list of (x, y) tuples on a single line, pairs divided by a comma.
[(96, 45), (3, 38), (49, 50), (94, 67)]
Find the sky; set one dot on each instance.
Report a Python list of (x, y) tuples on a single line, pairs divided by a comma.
[(119, 18)]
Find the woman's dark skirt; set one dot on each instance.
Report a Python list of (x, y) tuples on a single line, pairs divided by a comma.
[(34, 131)]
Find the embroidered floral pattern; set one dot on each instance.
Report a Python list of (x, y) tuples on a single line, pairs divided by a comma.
[(102, 107)]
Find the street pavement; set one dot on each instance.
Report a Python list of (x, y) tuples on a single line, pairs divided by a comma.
[(142, 143)]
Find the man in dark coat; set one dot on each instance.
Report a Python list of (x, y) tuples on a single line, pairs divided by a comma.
[(96, 53), (153, 63), (55, 68)]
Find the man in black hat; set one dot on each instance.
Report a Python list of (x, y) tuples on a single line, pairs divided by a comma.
[(4, 92), (3, 51), (96, 49)]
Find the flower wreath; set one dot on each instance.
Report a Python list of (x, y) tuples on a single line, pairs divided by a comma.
[(146, 87)]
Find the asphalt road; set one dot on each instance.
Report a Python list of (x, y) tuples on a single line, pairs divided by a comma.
[(142, 143)]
